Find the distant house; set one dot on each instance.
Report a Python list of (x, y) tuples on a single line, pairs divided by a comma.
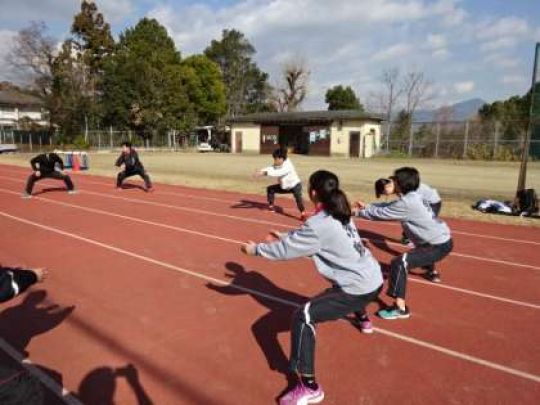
[(324, 133), (18, 108)]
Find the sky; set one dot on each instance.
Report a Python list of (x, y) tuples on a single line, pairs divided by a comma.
[(467, 48)]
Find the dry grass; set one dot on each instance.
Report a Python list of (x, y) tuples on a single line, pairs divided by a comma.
[(460, 183)]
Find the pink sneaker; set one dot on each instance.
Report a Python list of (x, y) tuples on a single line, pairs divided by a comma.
[(365, 325), (301, 395)]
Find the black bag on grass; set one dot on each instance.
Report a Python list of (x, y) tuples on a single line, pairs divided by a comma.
[(526, 202)]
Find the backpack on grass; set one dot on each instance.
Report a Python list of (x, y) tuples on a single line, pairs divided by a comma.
[(526, 202)]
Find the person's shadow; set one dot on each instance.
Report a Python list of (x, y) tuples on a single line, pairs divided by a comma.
[(21, 323), (132, 186), (261, 206), (47, 190), (99, 385), (281, 304), (380, 241), (265, 329)]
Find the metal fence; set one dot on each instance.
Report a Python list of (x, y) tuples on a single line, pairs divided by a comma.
[(479, 140), (474, 139), (37, 141)]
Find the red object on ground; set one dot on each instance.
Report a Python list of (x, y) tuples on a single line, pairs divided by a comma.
[(75, 163)]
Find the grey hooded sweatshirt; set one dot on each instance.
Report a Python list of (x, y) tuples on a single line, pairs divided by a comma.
[(418, 221), (336, 249)]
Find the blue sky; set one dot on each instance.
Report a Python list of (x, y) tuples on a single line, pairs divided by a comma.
[(468, 48)]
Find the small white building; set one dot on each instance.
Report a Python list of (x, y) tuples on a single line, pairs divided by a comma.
[(347, 133), (16, 106)]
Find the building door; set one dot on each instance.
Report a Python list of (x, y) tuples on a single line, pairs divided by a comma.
[(354, 144), (238, 141)]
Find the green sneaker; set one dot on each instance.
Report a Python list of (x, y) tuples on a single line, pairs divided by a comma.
[(394, 312)]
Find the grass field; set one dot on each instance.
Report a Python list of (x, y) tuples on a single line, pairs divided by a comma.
[(460, 183)]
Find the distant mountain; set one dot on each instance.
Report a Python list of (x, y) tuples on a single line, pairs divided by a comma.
[(460, 111)]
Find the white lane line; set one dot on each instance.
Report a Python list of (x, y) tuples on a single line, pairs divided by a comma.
[(182, 208), (278, 224), (405, 338), (238, 242), (43, 377), (476, 235), (393, 224)]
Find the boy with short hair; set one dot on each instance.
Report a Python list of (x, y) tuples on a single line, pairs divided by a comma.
[(45, 167), (132, 166), (289, 182)]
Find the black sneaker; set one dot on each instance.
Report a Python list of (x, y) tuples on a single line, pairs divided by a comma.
[(433, 276), (405, 240)]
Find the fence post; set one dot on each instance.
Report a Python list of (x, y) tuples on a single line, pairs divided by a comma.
[(40, 144), (99, 140), (437, 139), (496, 140), (30, 141), (466, 140), (111, 136), (410, 151)]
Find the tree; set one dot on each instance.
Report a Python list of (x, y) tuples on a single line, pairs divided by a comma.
[(246, 85), (391, 94), (144, 83), (33, 54), (415, 88), (512, 114), (342, 98), (205, 88), (293, 90), (92, 43)]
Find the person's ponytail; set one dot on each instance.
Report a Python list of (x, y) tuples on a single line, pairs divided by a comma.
[(335, 202)]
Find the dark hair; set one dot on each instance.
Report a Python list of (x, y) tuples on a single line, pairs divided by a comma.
[(407, 179), (379, 186), (326, 185), (280, 153), (126, 144)]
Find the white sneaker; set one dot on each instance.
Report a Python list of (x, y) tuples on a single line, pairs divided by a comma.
[(26, 196)]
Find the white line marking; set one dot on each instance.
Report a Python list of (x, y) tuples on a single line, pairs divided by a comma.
[(45, 379), (238, 242), (418, 342), (393, 224), (257, 221)]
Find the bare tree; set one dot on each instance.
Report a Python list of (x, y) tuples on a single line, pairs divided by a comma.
[(293, 91), (33, 54), (415, 87), (388, 99)]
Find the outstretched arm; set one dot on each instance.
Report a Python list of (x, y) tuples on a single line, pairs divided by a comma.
[(300, 243)]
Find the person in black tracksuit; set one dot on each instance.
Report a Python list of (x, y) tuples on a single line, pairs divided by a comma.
[(45, 167), (14, 281), (132, 166), (17, 385)]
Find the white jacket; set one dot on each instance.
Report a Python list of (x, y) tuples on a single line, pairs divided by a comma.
[(288, 178)]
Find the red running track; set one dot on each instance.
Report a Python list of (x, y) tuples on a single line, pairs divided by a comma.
[(142, 279)]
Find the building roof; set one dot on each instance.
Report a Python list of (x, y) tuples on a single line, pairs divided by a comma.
[(306, 117), (16, 98)]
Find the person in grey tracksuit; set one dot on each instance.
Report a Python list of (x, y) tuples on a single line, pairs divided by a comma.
[(430, 235), (331, 239)]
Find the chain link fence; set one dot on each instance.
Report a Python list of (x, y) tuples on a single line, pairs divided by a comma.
[(41, 141), (477, 140)]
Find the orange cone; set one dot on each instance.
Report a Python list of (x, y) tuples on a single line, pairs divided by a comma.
[(75, 164)]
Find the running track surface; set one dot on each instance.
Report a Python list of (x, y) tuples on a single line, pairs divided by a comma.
[(158, 281)]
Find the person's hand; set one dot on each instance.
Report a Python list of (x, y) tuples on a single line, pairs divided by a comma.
[(41, 274), (249, 248), (360, 205), (258, 173), (37, 173)]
